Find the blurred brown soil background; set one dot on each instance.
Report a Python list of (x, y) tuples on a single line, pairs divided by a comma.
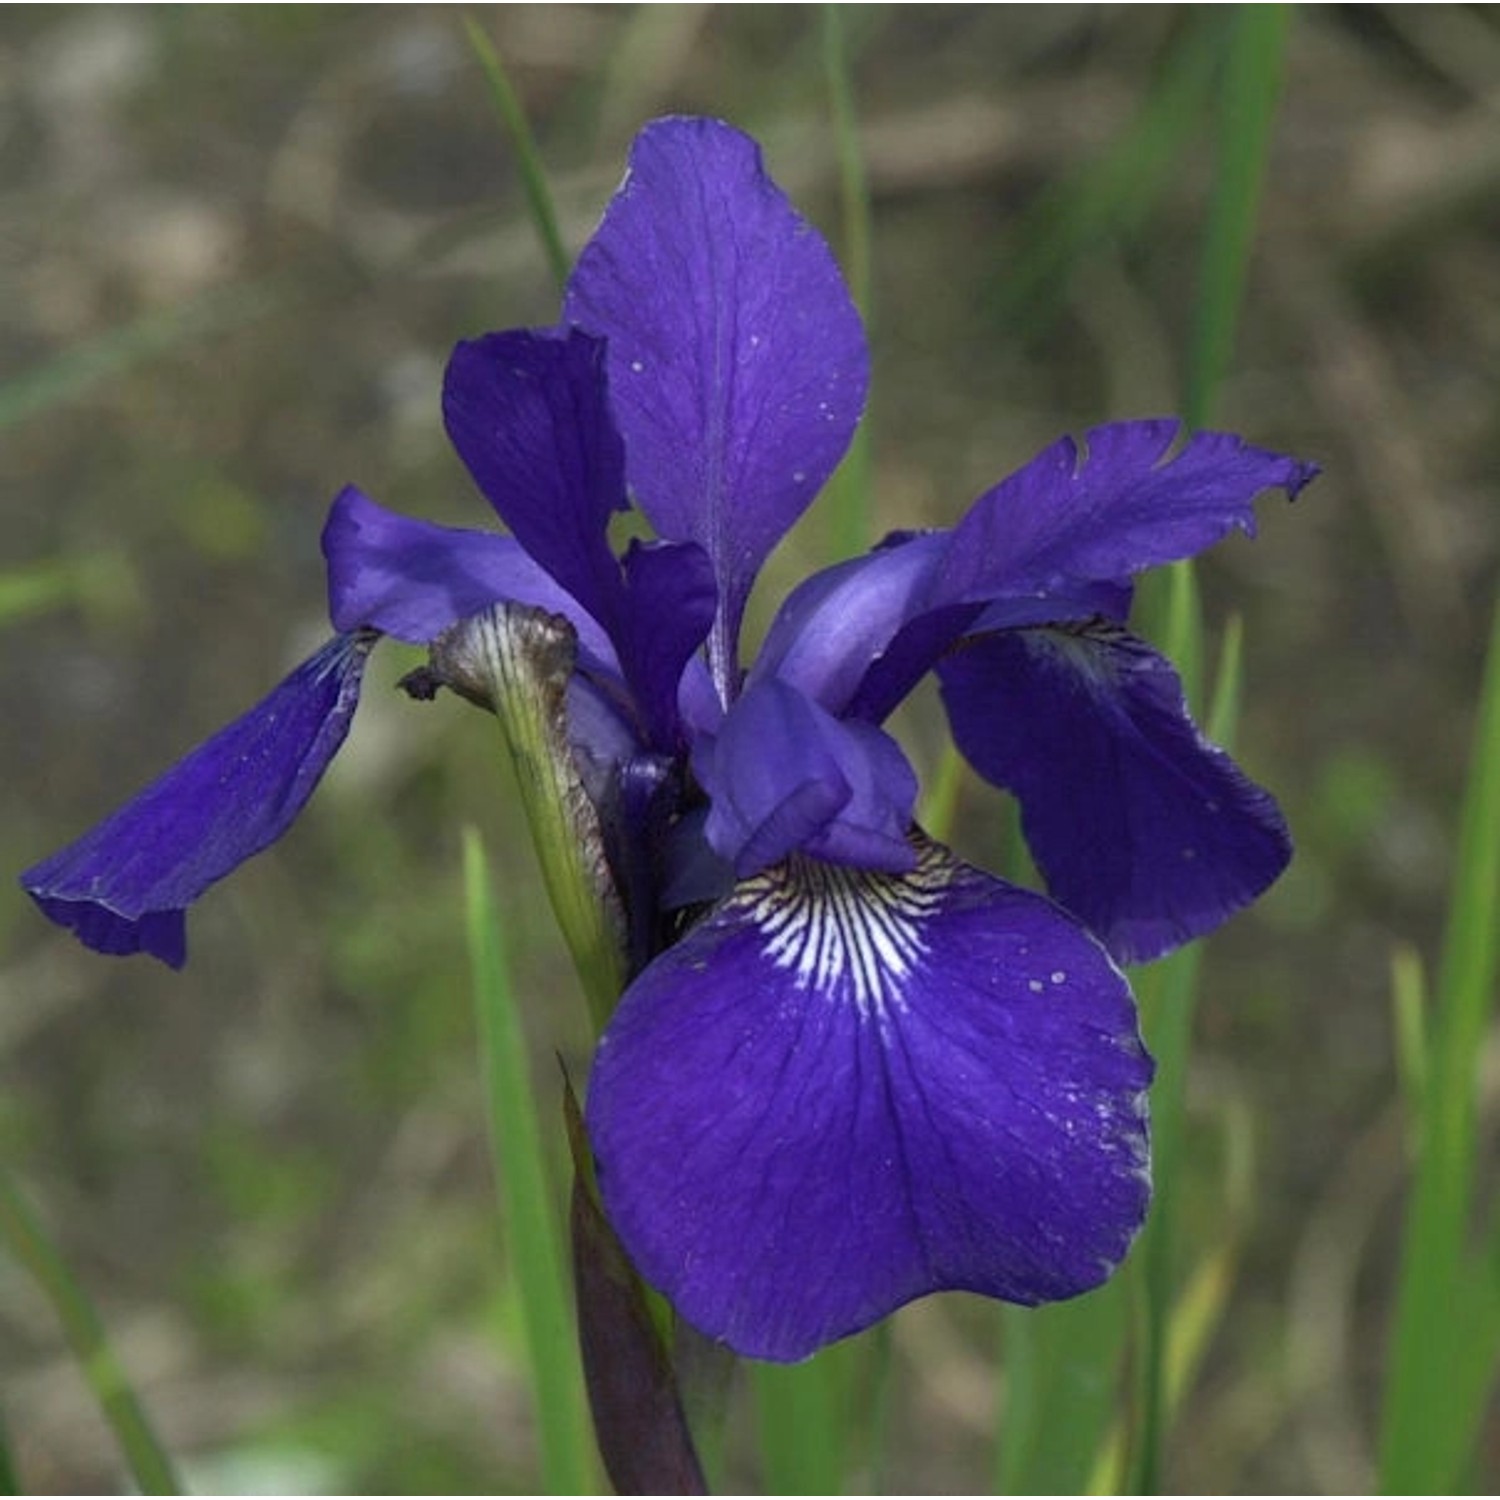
[(270, 1170)]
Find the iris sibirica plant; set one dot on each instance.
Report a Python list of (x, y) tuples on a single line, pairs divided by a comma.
[(845, 1068)]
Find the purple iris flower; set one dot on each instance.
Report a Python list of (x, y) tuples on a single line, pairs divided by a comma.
[(849, 1069)]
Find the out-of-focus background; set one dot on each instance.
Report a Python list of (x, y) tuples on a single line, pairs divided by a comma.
[(236, 246)]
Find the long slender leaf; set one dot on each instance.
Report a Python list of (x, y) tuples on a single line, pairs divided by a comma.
[(1062, 1364), (507, 104), (1252, 89), (804, 1421), (1167, 993), (530, 1214), (22, 1232), (1427, 1432), (1114, 193), (10, 1483), (1409, 1013), (939, 806), (1254, 42), (1223, 719), (850, 502), (1060, 1392), (880, 1385)]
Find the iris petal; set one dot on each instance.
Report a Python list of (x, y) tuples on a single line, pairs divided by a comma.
[(1148, 833), (783, 774), (669, 606), (737, 362), (1057, 541), (844, 1090), (528, 412), (125, 886), (413, 579), (1110, 513), (834, 625)]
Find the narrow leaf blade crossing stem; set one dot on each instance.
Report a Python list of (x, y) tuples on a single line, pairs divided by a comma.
[(851, 501), (22, 1232), (507, 104), (532, 1232)]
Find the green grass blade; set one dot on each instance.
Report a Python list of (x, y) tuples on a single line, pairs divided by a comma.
[(531, 1216), (22, 1232), (939, 806), (854, 187), (803, 1412), (35, 590), (1062, 1364), (1170, 609), (1223, 720), (1426, 1433), (1060, 1392), (1167, 994), (507, 104), (1114, 194), (850, 501), (879, 1373), (10, 1482), (1255, 49), (1254, 43), (1409, 1015)]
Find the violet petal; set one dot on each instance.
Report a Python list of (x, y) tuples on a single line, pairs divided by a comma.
[(125, 886), (844, 1090), (670, 601), (783, 774), (1110, 513), (1148, 833), (737, 362), (860, 635), (528, 412), (413, 579)]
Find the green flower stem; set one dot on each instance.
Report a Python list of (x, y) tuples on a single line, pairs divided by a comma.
[(23, 1234), (517, 661)]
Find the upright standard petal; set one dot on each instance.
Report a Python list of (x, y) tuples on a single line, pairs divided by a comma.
[(785, 775), (413, 579), (1111, 512), (529, 414), (125, 886), (737, 361), (1148, 833), (843, 1090)]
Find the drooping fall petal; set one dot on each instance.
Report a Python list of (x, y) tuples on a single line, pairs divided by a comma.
[(1148, 833), (845, 1089), (125, 886)]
